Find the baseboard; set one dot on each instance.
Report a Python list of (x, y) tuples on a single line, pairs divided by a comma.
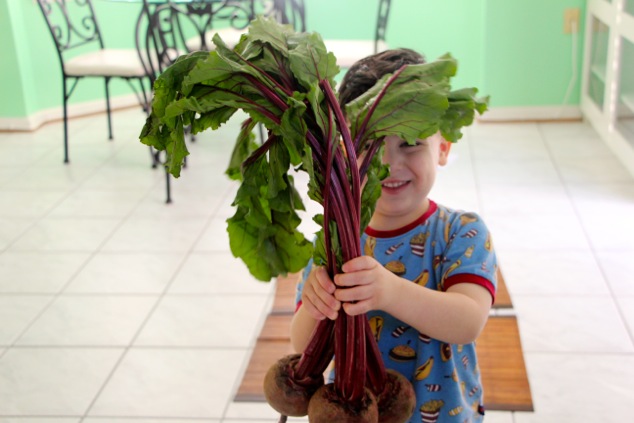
[(34, 121), (531, 113)]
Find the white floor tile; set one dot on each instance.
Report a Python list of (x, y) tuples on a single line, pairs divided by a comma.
[(560, 272), (39, 420), (98, 203), (17, 312), (604, 234), (626, 305), (142, 420), (516, 172), (84, 320), (36, 272), (126, 273), (176, 383), (66, 235), (214, 237), (522, 200), (611, 198), (11, 229), (598, 169), (51, 177), (52, 381), (571, 324), (124, 179), (537, 232), (570, 388), (217, 273), (204, 321), (201, 202), (618, 268), (155, 235), (34, 204), (244, 411)]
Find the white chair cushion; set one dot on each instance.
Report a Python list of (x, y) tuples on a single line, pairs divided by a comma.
[(348, 52), (113, 62), (230, 36)]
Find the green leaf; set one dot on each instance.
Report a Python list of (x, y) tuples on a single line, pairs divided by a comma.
[(409, 104), (245, 145), (267, 30), (310, 61), (462, 107)]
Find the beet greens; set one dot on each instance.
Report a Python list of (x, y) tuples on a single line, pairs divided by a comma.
[(285, 81)]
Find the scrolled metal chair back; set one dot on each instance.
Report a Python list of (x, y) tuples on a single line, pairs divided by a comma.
[(72, 23)]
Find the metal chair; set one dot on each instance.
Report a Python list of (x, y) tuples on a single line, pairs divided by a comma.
[(349, 51), (230, 18), (168, 30), (74, 28)]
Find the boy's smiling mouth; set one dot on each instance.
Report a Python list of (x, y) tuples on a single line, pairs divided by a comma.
[(393, 185)]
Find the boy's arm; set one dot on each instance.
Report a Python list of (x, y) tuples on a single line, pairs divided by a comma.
[(302, 327), (318, 302), (455, 316)]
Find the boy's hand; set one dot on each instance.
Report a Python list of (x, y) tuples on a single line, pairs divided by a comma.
[(363, 285), (318, 295)]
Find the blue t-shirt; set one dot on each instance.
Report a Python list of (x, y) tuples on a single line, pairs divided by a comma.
[(442, 248)]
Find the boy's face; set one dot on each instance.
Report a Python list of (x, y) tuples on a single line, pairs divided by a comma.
[(412, 174)]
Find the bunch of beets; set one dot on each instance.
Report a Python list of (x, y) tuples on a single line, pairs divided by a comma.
[(284, 81)]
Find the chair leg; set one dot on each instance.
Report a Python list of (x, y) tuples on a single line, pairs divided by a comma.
[(147, 109), (108, 108), (65, 97), (154, 157), (168, 190)]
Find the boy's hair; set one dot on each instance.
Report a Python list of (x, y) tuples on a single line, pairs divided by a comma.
[(366, 72)]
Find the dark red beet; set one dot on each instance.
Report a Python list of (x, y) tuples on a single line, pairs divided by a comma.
[(326, 407), (397, 402), (286, 395)]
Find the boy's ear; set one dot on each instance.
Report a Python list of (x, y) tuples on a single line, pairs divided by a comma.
[(445, 147)]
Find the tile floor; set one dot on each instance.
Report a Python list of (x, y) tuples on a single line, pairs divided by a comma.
[(115, 307)]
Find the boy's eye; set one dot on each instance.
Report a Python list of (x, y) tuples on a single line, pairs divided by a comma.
[(407, 145)]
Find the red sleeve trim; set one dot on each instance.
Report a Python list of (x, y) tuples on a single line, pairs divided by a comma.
[(405, 229), (471, 278), (298, 305)]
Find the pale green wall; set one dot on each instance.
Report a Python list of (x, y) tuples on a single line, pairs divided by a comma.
[(514, 50), (527, 57), (12, 101)]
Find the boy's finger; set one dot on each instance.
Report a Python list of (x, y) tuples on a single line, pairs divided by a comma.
[(323, 305), (324, 280), (358, 263)]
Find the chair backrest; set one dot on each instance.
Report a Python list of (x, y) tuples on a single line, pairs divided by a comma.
[(292, 12), (72, 24), (164, 31), (381, 22)]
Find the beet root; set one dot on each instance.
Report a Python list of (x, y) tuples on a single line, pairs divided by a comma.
[(287, 396), (397, 402), (327, 407)]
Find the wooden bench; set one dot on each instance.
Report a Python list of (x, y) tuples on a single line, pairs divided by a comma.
[(500, 356)]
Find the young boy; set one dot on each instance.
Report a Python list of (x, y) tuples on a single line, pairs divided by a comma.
[(427, 276)]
